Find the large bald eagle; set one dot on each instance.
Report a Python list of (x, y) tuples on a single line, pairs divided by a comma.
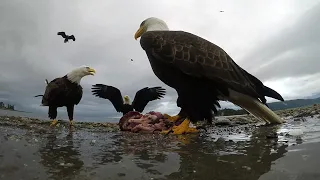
[(141, 99), (202, 73), (65, 91)]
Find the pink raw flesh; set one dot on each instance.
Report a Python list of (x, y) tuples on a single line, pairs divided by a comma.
[(151, 122)]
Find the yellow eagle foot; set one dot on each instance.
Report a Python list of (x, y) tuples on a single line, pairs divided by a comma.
[(183, 128), (54, 122), (71, 123), (171, 118)]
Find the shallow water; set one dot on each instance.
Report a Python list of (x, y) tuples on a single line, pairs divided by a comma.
[(242, 152)]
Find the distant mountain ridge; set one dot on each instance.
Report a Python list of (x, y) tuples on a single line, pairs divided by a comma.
[(293, 103)]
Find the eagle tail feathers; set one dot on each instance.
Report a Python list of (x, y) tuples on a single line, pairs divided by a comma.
[(255, 107), (272, 93)]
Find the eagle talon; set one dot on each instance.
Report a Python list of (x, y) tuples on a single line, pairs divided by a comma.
[(71, 123), (172, 118), (54, 122), (183, 128)]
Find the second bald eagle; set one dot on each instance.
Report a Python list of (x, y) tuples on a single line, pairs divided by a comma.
[(141, 99), (65, 91)]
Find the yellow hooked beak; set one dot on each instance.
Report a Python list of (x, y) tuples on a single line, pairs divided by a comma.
[(91, 71), (140, 31)]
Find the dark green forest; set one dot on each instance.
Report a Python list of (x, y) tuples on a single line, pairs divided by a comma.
[(6, 106)]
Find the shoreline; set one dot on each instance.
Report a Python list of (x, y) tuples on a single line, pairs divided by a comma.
[(31, 149), (14, 110), (34, 123), (219, 121)]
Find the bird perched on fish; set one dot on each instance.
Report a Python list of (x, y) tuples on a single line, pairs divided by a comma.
[(202, 73), (140, 101), (65, 91), (66, 37)]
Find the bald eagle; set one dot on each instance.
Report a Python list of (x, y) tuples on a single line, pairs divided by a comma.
[(141, 99), (65, 91), (202, 73), (66, 37)]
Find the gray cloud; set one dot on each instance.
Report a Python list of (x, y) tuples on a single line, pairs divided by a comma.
[(285, 35), (293, 52)]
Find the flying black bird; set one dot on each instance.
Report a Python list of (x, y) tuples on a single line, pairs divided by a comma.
[(202, 73), (66, 37), (142, 98), (131, 59), (221, 11)]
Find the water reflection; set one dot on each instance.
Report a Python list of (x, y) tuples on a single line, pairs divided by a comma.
[(228, 159), (60, 156), (136, 156)]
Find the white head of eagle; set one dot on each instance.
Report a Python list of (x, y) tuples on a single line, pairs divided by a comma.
[(77, 74), (151, 24), (126, 99)]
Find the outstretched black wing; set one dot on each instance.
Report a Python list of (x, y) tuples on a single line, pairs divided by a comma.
[(145, 95), (72, 37), (63, 34), (109, 92)]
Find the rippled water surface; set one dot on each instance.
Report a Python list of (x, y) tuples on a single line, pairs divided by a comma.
[(244, 152)]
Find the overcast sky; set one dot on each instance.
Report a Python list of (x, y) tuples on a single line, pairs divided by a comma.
[(277, 41)]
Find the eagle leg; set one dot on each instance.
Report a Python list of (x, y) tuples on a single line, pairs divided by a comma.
[(53, 115), (71, 123), (70, 110), (172, 118), (54, 122), (182, 128)]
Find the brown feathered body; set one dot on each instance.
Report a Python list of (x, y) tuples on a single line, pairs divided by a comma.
[(201, 72), (61, 92)]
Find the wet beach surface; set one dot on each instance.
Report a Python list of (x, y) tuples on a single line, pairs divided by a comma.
[(237, 148)]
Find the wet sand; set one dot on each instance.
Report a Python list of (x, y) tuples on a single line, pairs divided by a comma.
[(237, 148)]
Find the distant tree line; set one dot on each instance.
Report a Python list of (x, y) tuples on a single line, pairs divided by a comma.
[(6, 106), (230, 112)]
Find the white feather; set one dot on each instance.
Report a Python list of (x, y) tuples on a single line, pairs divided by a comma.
[(155, 24), (255, 107), (76, 75)]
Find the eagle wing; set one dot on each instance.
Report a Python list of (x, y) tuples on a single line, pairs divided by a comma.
[(198, 57), (72, 37), (53, 92), (63, 34), (145, 95), (111, 93)]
